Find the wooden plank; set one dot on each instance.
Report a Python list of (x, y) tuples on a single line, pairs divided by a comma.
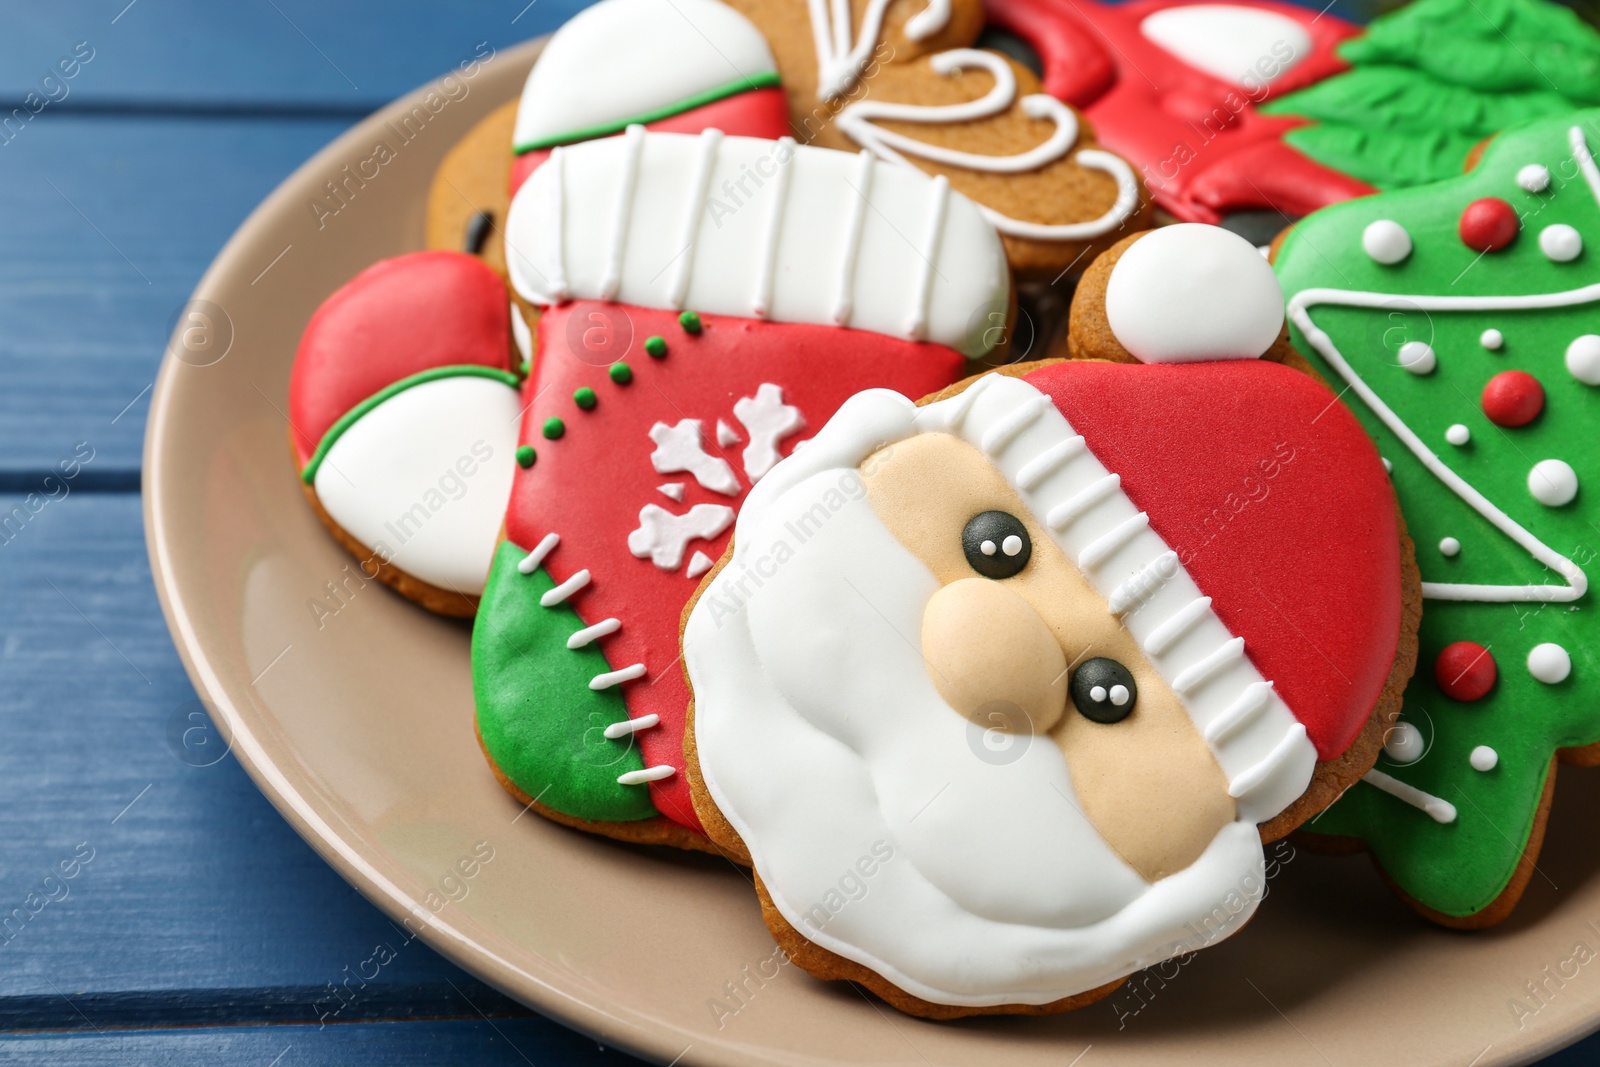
[(299, 55), (110, 222), (463, 1043), (138, 878)]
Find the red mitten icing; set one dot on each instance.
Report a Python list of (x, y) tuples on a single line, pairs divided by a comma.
[(397, 318), (608, 488), (1265, 489)]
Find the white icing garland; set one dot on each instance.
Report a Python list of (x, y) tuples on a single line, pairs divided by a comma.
[(839, 61)]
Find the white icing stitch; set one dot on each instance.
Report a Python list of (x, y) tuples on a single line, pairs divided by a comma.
[(560, 593), (844, 303), (621, 212), (1098, 550), (672, 491), (1181, 622), (938, 203), (1285, 757), (1441, 811), (962, 403), (699, 563), (1299, 311), (1143, 582), (649, 774), (554, 232), (1241, 713), (768, 420), (1196, 675), (1047, 463), (1002, 433), (632, 726), (679, 448), (693, 210), (612, 678), (1063, 514), (590, 634), (520, 332), (663, 537), (772, 235), (530, 563)]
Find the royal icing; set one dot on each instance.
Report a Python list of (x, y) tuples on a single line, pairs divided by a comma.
[(1508, 511), (1226, 40), (767, 237), (813, 766), (1164, 292)]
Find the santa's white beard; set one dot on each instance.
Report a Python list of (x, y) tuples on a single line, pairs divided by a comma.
[(883, 827)]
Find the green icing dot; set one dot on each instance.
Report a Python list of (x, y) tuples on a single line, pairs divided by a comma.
[(527, 367), (585, 398), (554, 428), (525, 456), (621, 373), (656, 346), (689, 321)]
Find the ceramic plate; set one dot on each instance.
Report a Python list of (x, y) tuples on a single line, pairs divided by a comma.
[(358, 726)]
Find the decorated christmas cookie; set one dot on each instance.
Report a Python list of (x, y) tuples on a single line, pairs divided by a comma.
[(403, 418), (1000, 695), (687, 341), (1460, 321), (898, 80)]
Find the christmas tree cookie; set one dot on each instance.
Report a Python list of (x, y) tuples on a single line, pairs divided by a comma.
[(706, 303), (1461, 321)]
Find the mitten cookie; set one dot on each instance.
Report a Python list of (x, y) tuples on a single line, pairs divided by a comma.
[(403, 415), (706, 303), (1000, 695), (1460, 320)]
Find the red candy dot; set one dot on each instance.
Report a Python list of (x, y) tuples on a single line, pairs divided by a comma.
[(1488, 225), (1465, 671), (1513, 398)]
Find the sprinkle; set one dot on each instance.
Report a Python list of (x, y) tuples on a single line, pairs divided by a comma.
[(554, 428), (530, 563), (690, 323), (1449, 546), (1492, 340), (1484, 758), (585, 398), (1458, 435), (525, 456), (621, 373), (656, 346)]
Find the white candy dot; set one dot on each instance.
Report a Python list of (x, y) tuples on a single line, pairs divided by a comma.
[(1450, 546), (1119, 695), (987, 548), (1417, 357), (1553, 482), (1549, 663), (1492, 340), (1484, 758), (1386, 241), (1560, 243), (1535, 177), (1097, 694), (1011, 545), (1458, 434), (1583, 359), (1403, 743)]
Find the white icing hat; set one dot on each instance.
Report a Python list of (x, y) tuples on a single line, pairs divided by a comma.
[(762, 229), (626, 61)]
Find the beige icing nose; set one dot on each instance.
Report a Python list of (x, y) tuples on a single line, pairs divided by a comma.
[(988, 651)]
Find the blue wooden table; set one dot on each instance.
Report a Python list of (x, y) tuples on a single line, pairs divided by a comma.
[(154, 908)]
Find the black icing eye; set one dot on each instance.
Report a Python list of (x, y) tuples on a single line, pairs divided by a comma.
[(996, 544), (1103, 690)]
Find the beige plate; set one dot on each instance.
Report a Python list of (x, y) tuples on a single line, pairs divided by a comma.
[(360, 731)]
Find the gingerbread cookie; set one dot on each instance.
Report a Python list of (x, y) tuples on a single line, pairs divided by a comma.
[(690, 337), (894, 80), (403, 412), (1000, 695), (1461, 319)]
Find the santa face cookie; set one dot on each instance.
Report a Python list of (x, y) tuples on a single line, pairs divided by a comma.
[(403, 414), (689, 338), (1461, 319), (1030, 664)]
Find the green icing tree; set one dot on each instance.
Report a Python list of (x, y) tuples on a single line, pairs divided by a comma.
[(1351, 315), (1438, 76)]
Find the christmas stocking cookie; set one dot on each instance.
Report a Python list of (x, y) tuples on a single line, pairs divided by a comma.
[(1001, 694), (1461, 320), (403, 415), (707, 303)]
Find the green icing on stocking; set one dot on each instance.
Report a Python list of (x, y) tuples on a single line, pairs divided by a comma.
[(1438, 76), (1508, 587), (541, 723)]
